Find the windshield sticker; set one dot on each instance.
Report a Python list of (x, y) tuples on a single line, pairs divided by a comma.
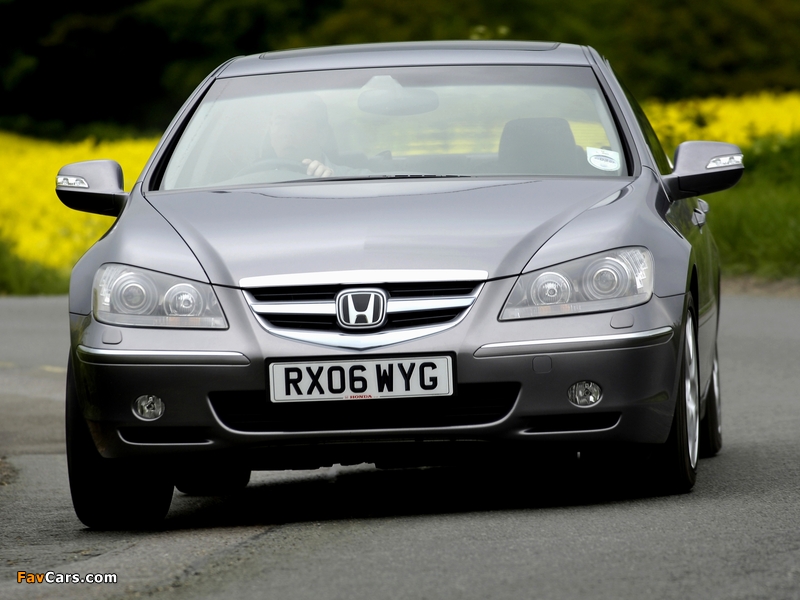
[(605, 160)]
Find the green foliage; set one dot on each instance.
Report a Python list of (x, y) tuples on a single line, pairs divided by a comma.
[(757, 223), (135, 61), (661, 48), (117, 69), (22, 277), (366, 21), (774, 160), (54, 129), (673, 50)]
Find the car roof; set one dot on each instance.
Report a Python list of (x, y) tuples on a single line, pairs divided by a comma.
[(407, 54)]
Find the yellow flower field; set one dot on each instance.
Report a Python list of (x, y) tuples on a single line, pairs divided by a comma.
[(43, 230), (733, 120), (39, 227)]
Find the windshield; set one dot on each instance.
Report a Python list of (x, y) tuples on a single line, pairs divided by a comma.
[(398, 122)]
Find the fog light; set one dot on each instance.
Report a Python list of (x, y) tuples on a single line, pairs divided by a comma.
[(148, 408), (585, 393)]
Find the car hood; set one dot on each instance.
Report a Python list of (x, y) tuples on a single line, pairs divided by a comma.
[(489, 225)]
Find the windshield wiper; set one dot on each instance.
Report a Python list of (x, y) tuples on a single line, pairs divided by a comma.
[(376, 176)]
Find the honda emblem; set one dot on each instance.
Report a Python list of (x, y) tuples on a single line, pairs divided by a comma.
[(358, 309)]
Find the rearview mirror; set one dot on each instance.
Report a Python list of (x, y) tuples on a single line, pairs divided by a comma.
[(93, 186), (383, 95), (703, 168)]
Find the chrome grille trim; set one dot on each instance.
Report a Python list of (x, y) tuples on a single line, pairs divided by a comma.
[(364, 277), (317, 330), (293, 308), (362, 341), (402, 306), (393, 306)]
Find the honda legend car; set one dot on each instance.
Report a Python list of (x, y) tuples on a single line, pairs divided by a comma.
[(401, 254)]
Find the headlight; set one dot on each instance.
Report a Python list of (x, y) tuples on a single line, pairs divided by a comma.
[(123, 295), (606, 281)]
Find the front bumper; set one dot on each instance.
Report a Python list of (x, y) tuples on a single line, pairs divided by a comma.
[(512, 381)]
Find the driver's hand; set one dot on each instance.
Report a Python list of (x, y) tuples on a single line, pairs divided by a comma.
[(317, 169)]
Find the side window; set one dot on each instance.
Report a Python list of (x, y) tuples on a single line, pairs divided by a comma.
[(663, 162)]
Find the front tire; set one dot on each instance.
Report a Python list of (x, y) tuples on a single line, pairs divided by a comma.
[(711, 425), (680, 452), (110, 493)]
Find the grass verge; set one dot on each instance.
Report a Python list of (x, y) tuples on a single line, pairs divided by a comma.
[(18, 276), (7, 473), (757, 223)]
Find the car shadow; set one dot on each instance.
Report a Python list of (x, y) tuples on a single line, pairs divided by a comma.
[(365, 492)]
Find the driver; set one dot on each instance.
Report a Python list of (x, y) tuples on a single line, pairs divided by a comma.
[(300, 131)]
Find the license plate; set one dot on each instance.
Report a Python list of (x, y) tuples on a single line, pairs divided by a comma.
[(361, 379)]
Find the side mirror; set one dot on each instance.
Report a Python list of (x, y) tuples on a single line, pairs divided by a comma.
[(703, 168), (93, 186)]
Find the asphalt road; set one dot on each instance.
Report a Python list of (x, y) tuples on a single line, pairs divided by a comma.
[(571, 532)]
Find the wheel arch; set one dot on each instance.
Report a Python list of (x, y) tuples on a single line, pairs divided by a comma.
[(694, 290)]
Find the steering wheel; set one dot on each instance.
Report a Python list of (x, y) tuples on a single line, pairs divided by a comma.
[(274, 164)]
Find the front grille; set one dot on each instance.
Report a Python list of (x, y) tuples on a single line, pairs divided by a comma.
[(395, 321), (475, 404), (420, 318), (409, 305), (309, 293), (430, 290), (313, 322)]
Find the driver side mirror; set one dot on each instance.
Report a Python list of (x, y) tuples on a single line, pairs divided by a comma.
[(93, 186), (703, 168)]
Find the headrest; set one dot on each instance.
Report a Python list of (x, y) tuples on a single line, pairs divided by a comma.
[(538, 146)]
